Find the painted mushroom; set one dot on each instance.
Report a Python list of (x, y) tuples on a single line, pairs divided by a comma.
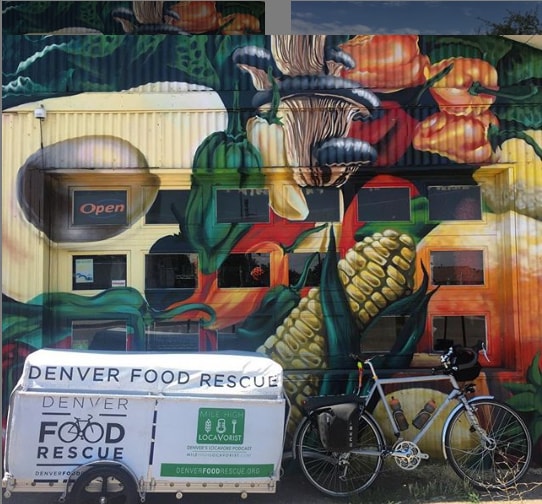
[(316, 109), (147, 18)]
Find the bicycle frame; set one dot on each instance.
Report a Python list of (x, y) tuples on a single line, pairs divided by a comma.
[(378, 387)]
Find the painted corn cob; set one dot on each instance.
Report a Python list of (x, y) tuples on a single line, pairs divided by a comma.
[(377, 271), (374, 273)]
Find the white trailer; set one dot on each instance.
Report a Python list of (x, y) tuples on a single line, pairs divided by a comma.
[(98, 426)]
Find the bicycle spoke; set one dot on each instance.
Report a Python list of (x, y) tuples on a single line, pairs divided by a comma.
[(496, 457), (341, 474)]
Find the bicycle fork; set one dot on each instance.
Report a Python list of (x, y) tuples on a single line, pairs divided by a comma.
[(345, 464), (487, 441)]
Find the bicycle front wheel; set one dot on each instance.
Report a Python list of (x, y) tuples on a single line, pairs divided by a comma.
[(494, 451), (341, 474)]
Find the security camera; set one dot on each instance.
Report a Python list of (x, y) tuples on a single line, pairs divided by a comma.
[(40, 112)]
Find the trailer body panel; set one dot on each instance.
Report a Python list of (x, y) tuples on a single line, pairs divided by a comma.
[(177, 422)]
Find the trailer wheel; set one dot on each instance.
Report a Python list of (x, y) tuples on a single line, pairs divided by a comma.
[(104, 484)]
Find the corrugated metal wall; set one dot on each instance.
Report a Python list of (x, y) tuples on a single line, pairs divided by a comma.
[(166, 128), (167, 138)]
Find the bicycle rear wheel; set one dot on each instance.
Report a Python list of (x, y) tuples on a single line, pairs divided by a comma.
[(499, 460), (341, 474)]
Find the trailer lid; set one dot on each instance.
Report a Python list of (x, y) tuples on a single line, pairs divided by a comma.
[(206, 373)]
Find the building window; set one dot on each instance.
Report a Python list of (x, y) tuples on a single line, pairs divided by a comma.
[(458, 267), (461, 202), (93, 272), (384, 204), (465, 330), (170, 278), (227, 339), (299, 261), (382, 334), (324, 204), (167, 207), (179, 336), (242, 205), (244, 270), (100, 208), (100, 335), (171, 271)]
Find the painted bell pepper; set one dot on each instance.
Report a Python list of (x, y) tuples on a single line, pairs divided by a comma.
[(285, 197), (227, 158), (461, 90), (386, 63), (197, 17), (463, 139)]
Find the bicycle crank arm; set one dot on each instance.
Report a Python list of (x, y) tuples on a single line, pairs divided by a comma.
[(408, 454)]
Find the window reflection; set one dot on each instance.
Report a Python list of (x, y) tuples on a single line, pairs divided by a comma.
[(323, 203), (454, 203), (248, 205), (99, 335), (167, 206), (464, 267), (245, 270), (384, 204), (170, 271), (298, 262), (465, 330), (93, 272), (179, 336)]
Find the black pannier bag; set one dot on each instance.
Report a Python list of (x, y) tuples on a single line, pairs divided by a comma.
[(338, 427)]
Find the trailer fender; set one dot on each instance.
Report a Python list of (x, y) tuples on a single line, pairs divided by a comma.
[(133, 488)]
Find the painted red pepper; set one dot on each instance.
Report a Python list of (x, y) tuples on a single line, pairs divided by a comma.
[(390, 135)]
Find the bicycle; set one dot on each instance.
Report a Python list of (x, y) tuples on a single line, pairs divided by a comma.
[(91, 432), (341, 447)]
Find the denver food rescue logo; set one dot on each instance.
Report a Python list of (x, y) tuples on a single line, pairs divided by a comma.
[(68, 431)]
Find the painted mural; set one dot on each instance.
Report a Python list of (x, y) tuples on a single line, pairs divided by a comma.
[(432, 147), (139, 17)]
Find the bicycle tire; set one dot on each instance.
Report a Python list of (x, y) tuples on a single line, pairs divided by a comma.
[(493, 465), (68, 432), (340, 474)]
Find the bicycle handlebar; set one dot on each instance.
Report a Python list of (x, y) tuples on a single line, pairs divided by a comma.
[(450, 366), (446, 359)]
